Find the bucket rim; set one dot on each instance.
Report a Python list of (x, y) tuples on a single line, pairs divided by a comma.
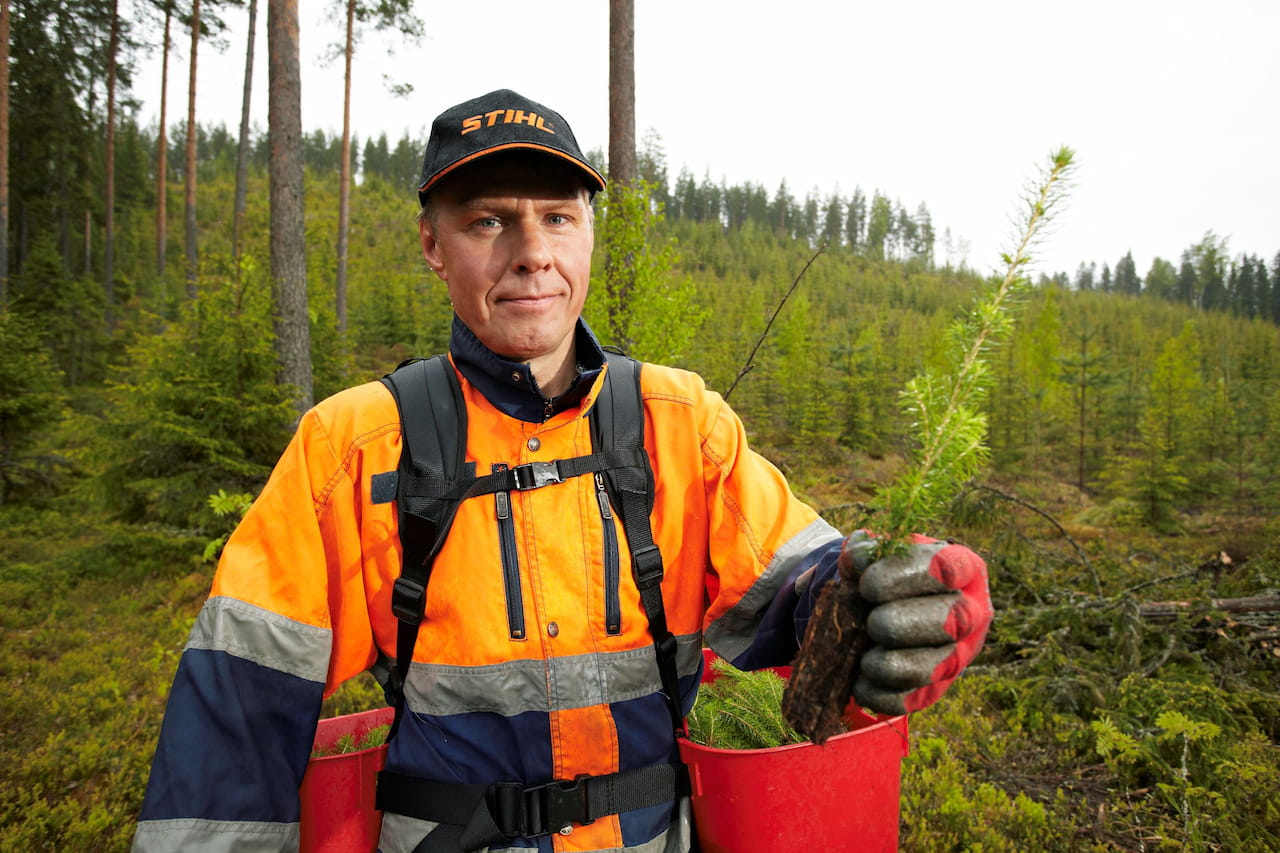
[(361, 721), (897, 723), (340, 755)]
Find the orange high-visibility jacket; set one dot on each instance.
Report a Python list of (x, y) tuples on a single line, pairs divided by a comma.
[(534, 661)]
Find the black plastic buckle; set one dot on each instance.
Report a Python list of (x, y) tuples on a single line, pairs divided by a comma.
[(647, 564), (540, 810), (535, 475), (407, 598)]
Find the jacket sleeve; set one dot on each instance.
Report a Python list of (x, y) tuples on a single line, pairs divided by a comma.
[(764, 544), (242, 711)]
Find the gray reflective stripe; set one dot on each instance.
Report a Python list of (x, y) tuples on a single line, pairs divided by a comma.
[(732, 633), (265, 638), (401, 834), (558, 684), (193, 835)]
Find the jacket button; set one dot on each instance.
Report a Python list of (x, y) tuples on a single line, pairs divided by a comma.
[(533, 444), (553, 630)]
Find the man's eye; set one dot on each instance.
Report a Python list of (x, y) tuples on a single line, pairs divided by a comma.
[(489, 222), (558, 219)]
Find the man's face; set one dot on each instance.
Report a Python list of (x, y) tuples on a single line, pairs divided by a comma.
[(512, 239)]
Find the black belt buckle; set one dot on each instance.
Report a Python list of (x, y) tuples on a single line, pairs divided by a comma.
[(540, 810), (535, 475)]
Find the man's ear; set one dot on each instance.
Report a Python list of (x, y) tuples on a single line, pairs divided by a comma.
[(431, 249)]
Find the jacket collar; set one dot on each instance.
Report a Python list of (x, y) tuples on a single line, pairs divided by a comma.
[(510, 385)]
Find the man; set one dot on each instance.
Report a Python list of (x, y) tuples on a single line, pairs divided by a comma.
[(535, 662)]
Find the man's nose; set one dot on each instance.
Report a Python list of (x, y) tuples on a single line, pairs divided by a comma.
[(532, 250)]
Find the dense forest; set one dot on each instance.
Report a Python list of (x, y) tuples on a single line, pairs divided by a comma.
[(1127, 698)]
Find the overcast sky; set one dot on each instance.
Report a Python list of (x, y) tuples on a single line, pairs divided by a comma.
[(1173, 107)]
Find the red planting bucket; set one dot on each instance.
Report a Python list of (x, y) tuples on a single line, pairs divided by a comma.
[(338, 814), (843, 795)]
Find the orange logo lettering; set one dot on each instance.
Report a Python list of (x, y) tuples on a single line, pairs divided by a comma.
[(491, 118)]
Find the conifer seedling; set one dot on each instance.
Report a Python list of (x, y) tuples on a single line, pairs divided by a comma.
[(945, 410)]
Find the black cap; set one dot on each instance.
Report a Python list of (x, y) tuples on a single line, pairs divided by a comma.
[(499, 121)]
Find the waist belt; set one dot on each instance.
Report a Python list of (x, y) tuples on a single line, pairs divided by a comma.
[(476, 816)]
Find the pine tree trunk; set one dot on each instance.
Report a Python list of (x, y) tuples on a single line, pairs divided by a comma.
[(109, 190), (620, 277), (162, 160), (242, 146), (4, 155), (288, 244), (344, 180), (622, 92), (193, 257)]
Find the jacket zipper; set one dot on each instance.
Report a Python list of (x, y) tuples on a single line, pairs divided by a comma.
[(612, 604), (510, 560)]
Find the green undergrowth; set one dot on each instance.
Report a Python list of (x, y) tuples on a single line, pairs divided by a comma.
[(1083, 725), (1091, 728), (92, 622)]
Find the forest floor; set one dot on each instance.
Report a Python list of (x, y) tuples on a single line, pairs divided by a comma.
[(1086, 723)]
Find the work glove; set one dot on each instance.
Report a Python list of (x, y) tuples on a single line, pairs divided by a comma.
[(930, 612)]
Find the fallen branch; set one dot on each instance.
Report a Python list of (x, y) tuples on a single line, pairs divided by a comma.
[(1248, 604), (1084, 558), (1163, 579)]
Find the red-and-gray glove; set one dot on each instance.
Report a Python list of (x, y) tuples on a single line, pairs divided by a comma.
[(931, 610)]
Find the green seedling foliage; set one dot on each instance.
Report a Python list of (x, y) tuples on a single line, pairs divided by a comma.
[(375, 737), (741, 710), (944, 408), (349, 743)]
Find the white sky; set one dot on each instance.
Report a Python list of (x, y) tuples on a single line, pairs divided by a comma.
[(1173, 107)]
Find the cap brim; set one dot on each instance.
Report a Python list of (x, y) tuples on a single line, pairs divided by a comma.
[(596, 182)]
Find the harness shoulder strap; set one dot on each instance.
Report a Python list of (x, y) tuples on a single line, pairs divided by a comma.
[(433, 427), (617, 423)]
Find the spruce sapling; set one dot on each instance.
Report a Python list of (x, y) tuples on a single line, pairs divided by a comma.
[(741, 710), (946, 413)]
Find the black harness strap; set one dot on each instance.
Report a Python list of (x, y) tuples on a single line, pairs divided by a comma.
[(620, 424), (428, 490), (475, 816), (433, 479), (433, 421)]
